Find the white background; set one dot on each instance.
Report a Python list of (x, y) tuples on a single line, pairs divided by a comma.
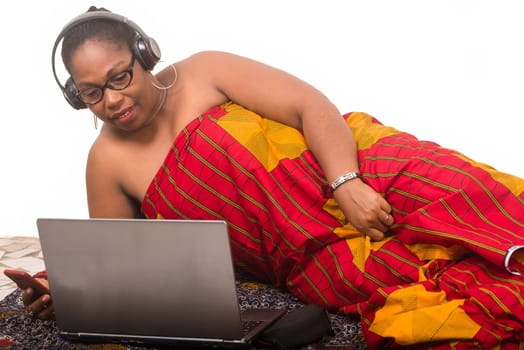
[(450, 71)]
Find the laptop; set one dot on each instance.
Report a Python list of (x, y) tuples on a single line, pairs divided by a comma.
[(146, 282)]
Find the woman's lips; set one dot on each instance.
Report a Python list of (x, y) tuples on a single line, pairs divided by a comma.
[(124, 116)]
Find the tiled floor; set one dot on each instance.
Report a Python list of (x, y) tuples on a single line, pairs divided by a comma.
[(18, 253)]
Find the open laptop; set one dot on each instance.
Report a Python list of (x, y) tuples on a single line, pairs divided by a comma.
[(146, 282)]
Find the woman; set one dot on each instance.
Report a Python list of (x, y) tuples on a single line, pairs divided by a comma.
[(309, 196)]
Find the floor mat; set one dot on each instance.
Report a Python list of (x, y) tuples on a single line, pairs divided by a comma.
[(19, 331)]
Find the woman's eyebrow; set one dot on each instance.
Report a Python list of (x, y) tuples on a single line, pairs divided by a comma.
[(116, 69)]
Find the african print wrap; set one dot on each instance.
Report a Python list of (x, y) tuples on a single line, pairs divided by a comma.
[(439, 280)]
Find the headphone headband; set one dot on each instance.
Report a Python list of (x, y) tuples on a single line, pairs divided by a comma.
[(144, 49)]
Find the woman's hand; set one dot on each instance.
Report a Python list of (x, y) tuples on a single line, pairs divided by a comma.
[(40, 307), (364, 208)]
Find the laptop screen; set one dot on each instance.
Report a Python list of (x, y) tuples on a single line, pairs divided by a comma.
[(166, 278)]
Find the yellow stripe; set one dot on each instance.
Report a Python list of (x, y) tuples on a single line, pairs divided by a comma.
[(366, 132), (431, 251), (414, 315), (263, 137)]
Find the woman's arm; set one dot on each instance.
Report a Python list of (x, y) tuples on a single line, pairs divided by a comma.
[(280, 96), (105, 195)]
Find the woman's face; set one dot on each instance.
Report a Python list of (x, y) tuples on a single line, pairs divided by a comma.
[(103, 67)]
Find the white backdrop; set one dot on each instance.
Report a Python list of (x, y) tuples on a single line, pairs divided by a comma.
[(450, 71)]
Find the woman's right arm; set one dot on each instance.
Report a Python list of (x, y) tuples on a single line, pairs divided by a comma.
[(105, 195)]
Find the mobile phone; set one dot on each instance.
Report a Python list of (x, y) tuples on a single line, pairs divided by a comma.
[(24, 280)]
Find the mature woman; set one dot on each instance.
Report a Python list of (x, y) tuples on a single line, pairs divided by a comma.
[(421, 242)]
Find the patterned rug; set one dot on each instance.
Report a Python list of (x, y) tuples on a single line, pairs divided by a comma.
[(19, 331)]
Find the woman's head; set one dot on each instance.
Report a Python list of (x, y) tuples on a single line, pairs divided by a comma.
[(100, 24), (99, 29)]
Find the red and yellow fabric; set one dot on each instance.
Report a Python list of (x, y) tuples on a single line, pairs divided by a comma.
[(440, 280)]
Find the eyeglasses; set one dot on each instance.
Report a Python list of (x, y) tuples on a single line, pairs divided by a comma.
[(117, 82)]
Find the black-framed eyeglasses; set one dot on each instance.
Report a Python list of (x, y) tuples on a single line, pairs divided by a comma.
[(119, 81)]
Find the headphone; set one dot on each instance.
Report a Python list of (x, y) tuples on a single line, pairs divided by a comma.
[(143, 48)]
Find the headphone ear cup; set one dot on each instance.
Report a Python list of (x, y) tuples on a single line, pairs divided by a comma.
[(71, 95), (146, 52)]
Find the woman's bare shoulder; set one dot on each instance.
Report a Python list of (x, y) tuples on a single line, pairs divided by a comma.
[(104, 153), (210, 54), (209, 59)]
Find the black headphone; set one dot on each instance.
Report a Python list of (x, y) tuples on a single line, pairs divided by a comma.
[(144, 49)]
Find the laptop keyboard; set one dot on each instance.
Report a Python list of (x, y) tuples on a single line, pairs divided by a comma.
[(248, 326)]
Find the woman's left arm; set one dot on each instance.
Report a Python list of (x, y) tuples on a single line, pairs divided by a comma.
[(283, 97)]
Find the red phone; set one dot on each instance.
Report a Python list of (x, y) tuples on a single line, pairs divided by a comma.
[(25, 280)]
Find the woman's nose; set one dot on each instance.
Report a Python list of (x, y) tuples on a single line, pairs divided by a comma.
[(112, 97)]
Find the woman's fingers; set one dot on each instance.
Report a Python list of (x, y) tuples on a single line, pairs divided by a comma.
[(386, 218), (379, 226), (365, 209), (40, 307), (374, 234), (27, 296), (46, 312)]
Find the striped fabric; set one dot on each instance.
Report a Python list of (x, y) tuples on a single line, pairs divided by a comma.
[(440, 280)]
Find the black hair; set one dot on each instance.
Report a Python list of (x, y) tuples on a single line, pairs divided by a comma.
[(107, 30)]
